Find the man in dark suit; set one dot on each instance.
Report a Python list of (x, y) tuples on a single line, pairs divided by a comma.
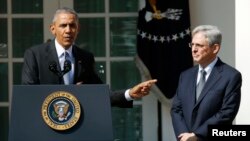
[(45, 63), (195, 106)]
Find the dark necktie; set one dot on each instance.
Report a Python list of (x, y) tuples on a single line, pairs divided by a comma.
[(201, 83), (66, 76)]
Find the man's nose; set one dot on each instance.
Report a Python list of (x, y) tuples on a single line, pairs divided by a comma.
[(67, 28)]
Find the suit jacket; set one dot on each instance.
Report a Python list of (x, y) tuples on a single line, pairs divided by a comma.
[(218, 103), (36, 69)]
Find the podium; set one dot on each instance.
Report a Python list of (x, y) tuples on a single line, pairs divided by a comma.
[(27, 116)]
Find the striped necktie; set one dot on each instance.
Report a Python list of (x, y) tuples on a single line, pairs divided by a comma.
[(201, 83), (66, 77)]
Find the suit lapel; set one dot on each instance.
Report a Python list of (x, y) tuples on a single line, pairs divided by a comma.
[(78, 63), (193, 80), (192, 97), (212, 80), (51, 53), (51, 57)]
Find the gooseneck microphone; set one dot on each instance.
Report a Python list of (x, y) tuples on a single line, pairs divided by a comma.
[(53, 68), (66, 68)]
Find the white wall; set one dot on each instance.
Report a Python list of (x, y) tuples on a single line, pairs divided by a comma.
[(243, 57), (222, 14)]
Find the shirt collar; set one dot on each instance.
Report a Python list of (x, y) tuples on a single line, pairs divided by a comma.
[(209, 68), (60, 50)]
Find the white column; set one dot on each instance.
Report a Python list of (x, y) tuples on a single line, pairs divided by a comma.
[(242, 51), (149, 118), (167, 126)]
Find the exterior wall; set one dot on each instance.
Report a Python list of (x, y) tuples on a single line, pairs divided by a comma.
[(222, 14), (242, 51)]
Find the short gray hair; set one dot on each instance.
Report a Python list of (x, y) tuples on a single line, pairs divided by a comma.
[(212, 33), (65, 10)]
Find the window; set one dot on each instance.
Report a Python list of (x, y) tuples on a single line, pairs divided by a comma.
[(109, 31)]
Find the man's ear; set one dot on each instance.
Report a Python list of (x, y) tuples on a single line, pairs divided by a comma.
[(52, 29), (216, 48)]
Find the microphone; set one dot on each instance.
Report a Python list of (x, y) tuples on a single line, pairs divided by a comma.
[(66, 68), (53, 68)]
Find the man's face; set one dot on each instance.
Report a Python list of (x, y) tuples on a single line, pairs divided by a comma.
[(65, 29), (202, 53)]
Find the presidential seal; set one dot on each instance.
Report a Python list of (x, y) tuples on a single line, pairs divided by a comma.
[(61, 110)]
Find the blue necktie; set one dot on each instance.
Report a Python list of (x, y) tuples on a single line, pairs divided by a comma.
[(201, 83), (66, 77)]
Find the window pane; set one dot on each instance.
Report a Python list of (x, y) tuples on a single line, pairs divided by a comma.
[(17, 73), (124, 75), (4, 116), (101, 70), (3, 6), (89, 6), (92, 36), (127, 123), (123, 5), (123, 36), (3, 38), (29, 6), (3, 82), (26, 33)]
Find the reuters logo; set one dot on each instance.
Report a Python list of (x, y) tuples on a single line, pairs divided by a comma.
[(61, 110)]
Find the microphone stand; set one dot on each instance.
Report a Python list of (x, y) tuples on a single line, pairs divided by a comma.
[(66, 68)]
